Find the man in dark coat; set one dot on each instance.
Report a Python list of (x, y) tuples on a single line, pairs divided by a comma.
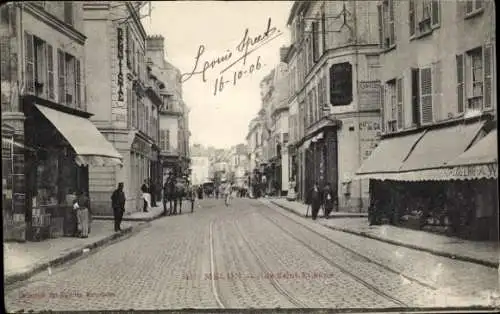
[(315, 199), (118, 204), (152, 188)]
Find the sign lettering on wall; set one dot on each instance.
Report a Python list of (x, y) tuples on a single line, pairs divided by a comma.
[(120, 59), (369, 95), (369, 136)]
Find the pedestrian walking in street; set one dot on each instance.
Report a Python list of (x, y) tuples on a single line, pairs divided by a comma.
[(118, 204), (329, 200), (192, 196), (169, 195), (82, 227), (315, 199), (146, 196)]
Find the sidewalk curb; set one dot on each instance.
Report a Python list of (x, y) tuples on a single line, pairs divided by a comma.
[(73, 254), (398, 243), (125, 218)]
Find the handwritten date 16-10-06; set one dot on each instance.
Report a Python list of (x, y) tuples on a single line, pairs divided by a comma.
[(220, 83)]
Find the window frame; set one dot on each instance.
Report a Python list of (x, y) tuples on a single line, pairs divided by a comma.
[(475, 10)]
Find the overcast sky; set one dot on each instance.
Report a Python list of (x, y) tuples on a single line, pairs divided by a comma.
[(220, 120)]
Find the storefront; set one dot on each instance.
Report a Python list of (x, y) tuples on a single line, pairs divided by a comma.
[(65, 144), (442, 180), (141, 158)]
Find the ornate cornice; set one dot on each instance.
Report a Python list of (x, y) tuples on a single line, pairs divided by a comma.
[(54, 22)]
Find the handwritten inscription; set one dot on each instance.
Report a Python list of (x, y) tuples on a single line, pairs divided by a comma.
[(245, 47)]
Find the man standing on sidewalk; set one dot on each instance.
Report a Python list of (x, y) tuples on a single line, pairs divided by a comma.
[(314, 199), (118, 204)]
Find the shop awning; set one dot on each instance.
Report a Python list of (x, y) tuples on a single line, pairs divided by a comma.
[(386, 160), (91, 147), (428, 160)]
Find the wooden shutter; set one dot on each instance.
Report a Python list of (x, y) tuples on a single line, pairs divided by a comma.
[(315, 43), (436, 91), (78, 84), (412, 17), (380, 26), (399, 102), (29, 63), (392, 28), (128, 49), (415, 96), (460, 83), (323, 29), (61, 65), (487, 72), (50, 72), (435, 13), (382, 106), (426, 94)]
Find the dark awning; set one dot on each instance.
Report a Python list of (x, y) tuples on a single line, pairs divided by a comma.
[(89, 144)]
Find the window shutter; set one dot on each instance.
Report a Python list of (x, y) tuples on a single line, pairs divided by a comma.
[(426, 94), (78, 87), (460, 83), (380, 26), (61, 64), (435, 9), (399, 102), (469, 6), (127, 35), (411, 17), (323, 29), (415, 96), (392, 28), (29, 63), (382, 102), (436, 84), (488, 70), (50, 71)]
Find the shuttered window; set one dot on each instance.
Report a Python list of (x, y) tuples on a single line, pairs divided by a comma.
[(426, 94), (78, 84), (415, 96), (436, 87), (315, 44), (61, 67), (435, 13), (29, 63), (382, 101), (460, 83), (167, 140), (411, 17), (488, 80), (128, 48), (162, 140), (50, 71), (399, 102), (323, 28)]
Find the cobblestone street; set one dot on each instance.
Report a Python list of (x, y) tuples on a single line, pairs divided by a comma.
[(253, 255)]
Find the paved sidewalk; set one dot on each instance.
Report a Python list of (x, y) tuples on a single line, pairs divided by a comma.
[(23, 260), (152, 214), (484, 253)]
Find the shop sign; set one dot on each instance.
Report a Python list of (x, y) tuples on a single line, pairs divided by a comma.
[(370, 136), (369, 95), (474, 171), (120, 60)]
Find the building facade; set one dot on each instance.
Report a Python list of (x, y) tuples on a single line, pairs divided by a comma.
[(439, 111), (44, 110), (173, 121), (334, 74), (239, 165), (116, 50)]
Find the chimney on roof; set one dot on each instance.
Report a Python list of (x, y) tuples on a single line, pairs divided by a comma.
[(155, 47)]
